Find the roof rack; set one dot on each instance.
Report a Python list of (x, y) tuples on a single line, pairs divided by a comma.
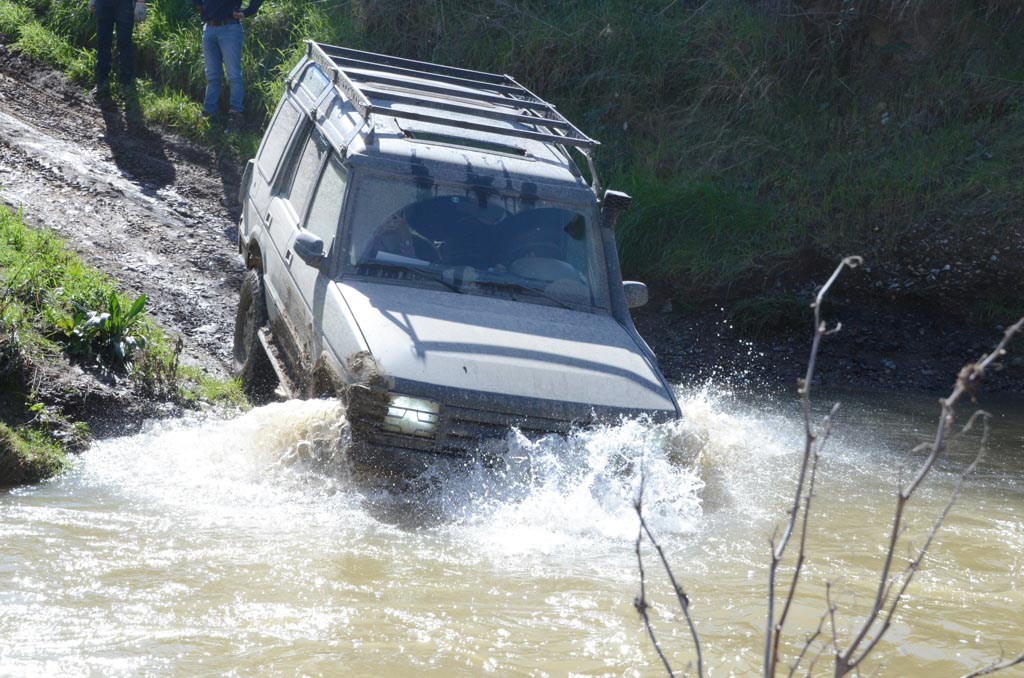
[(373, 82)]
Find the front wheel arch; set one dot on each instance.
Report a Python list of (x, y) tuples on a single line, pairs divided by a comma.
[(251, 363)]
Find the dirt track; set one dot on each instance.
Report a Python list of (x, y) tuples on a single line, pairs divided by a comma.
[(151, 210)]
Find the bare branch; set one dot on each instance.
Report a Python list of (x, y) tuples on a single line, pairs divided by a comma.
[(832, 617), (968, 381), (802, 551), (640, 602), (807, 645), (914, 565), (998, 666), (804, 487), (681, 597)]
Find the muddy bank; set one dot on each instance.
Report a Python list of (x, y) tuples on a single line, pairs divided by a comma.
[(158, 214), (881, 345), (151, 210), (155, 212)]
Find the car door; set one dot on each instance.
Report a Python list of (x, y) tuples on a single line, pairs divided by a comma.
[(287, 210), (322, 220), (270, 163)]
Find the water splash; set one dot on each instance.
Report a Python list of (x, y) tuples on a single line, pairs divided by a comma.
[(547, 491), (270, 457)]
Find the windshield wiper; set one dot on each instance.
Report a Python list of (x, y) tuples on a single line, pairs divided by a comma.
[(509, 285), (405, 268)]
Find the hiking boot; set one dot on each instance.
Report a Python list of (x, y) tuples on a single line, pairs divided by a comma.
[(101, 90), (235, 121)]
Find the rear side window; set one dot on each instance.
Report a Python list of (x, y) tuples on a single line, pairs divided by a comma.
[(304, 179), (325, 213), (314, 81), (276, 139)]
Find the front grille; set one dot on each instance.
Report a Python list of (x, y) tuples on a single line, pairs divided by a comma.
[(462, 430)]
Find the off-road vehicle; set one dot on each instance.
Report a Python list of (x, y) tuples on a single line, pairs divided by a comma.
[(420, 242)]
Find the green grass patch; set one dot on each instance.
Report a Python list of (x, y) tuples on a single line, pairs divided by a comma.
[(28, 455), (996, 309), (173, 109), (53, 302), (49, 47), (201, 387), (62, 301), (14, 17), (696, 230)]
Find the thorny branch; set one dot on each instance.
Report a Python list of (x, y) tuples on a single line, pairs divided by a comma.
[(886, 602)]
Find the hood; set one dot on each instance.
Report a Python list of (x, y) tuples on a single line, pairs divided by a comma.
[(500, 346)]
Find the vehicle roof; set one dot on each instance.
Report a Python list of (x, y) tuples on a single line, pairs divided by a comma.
[(459, 130)]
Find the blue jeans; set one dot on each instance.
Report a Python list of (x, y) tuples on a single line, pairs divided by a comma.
[(222, 45), (111, 14)]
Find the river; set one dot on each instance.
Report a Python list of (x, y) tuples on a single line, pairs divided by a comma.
[(248, 546)]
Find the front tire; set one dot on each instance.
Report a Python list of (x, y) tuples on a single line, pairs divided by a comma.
[(250, 360)]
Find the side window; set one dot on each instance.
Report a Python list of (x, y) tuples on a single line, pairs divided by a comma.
[(325, 214), (314, 81), (276, 140), (309, 163)]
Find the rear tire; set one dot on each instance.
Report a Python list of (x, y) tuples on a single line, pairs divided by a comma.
[(250, 360)]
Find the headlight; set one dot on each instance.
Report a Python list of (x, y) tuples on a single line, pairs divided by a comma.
[(410, 416)]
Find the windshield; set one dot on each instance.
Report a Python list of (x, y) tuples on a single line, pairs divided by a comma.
[(476, 242)]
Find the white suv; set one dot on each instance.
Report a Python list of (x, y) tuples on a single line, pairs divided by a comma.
[(420, 242)]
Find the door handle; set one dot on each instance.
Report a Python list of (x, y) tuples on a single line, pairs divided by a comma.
[(288, 256)]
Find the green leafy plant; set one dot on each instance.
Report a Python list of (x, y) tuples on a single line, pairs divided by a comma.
[(113, 336)]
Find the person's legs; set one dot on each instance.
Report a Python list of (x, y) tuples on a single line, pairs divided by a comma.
[(125, 21), (231, 47), (105, 12), (212, 62)]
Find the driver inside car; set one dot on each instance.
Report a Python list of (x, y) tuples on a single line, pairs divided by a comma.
[(396, 236)]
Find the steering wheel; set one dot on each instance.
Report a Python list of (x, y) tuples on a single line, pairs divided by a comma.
[(541, 248), (426, 249)]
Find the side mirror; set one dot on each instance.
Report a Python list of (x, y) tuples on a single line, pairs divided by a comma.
[(309, 248), (636, 293)]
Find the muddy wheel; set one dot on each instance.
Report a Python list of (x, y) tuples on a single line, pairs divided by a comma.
[(251, 362)]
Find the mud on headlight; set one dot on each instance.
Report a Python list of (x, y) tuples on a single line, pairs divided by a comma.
[(411, 416)]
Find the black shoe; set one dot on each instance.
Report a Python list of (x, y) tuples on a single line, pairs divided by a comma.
[(101, 91), (235, 121)]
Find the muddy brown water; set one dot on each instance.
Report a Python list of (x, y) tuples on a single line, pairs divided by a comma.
[(247, 546)]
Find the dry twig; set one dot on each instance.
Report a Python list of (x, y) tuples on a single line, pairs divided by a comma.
[(804, 483)]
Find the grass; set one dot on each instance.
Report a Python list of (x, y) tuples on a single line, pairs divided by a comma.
[(747, 132), (45, 292), (45, 287), (27, 455)]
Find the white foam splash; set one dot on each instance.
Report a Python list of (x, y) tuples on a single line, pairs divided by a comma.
[(541, 494)]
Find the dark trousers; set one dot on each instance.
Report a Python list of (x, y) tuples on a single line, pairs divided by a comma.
[(111, 14)]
